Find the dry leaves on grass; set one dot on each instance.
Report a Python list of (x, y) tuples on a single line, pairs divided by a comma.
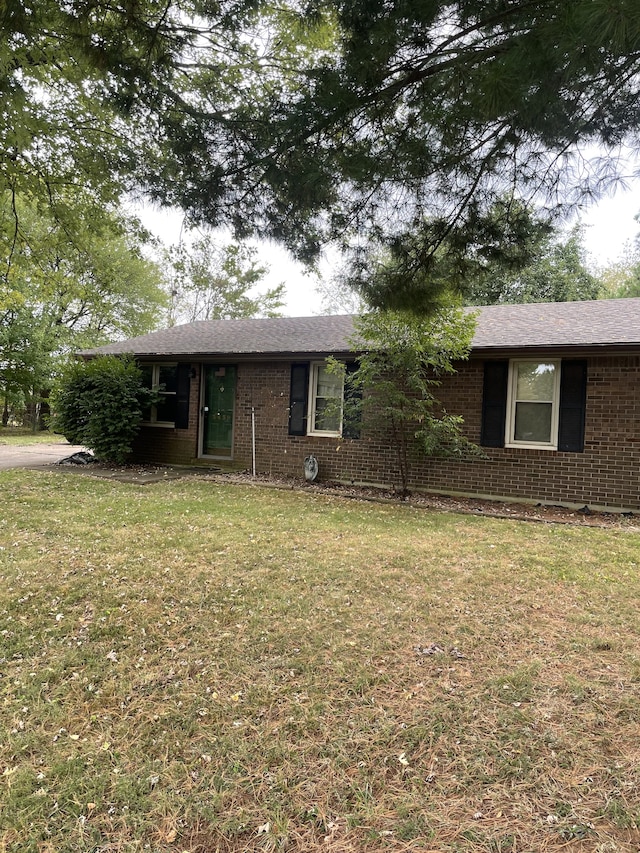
[(352, 675)]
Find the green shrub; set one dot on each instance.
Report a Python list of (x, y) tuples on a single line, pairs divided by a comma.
[(99, 404)]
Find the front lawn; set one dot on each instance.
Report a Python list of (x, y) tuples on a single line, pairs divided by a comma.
[(19, 436), (194, 666)]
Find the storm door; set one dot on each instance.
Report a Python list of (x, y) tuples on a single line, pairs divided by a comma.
[(217, 410)]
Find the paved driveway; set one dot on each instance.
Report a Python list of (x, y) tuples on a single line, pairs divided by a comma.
[(12, 456)]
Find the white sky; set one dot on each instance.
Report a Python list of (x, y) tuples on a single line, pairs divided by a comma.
[(611, 227)]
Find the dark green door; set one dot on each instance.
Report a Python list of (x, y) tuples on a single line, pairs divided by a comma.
[(218, 409)]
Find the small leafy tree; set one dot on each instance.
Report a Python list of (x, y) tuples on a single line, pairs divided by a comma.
[(99, 404), (403, 360)]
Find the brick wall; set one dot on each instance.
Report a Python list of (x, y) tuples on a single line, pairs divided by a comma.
[(605, 474), (159, 445)]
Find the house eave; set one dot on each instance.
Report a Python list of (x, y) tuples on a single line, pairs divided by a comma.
[(548, 350), (310, 355), (504, 351)]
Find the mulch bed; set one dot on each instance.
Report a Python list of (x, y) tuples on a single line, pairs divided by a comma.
[(470, 506)]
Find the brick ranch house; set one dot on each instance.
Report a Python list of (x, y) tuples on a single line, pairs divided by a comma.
[(551, 392)]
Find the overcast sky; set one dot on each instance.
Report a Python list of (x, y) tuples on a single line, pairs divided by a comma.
[(611, 225)]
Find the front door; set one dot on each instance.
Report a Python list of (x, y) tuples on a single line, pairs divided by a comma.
[(217, 410)]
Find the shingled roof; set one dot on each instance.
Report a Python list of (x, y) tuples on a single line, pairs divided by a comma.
[(275, 336), (544, 325), (597, 323)]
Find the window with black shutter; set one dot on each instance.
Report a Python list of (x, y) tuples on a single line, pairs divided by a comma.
[(163, 379), (534, 403), (316, 401)]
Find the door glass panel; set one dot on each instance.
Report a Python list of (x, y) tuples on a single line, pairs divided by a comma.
[(219, 406)]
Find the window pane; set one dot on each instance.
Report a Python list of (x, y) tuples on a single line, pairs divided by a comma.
[(327, 414), (329, 384), (536, 382), (166, 408), (147, 375), (168, 377), (533, 422)]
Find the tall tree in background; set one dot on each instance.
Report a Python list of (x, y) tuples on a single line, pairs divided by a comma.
[(73, 277), (622, 278), (557, 273), (339, 296), (386, 127), (211, 281)]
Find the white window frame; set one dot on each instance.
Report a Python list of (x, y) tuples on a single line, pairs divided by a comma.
[(510, 440), (314, 373), (155, 386)]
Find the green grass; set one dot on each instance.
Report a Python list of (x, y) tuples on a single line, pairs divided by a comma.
[(18, 436), (194, 666)]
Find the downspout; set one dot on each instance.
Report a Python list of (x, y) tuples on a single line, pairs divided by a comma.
[(253, 440)]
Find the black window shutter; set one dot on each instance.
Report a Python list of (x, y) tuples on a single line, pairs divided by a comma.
[(183, 385), (494, 403), (298, 399), (573, 397), (351, 415)]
